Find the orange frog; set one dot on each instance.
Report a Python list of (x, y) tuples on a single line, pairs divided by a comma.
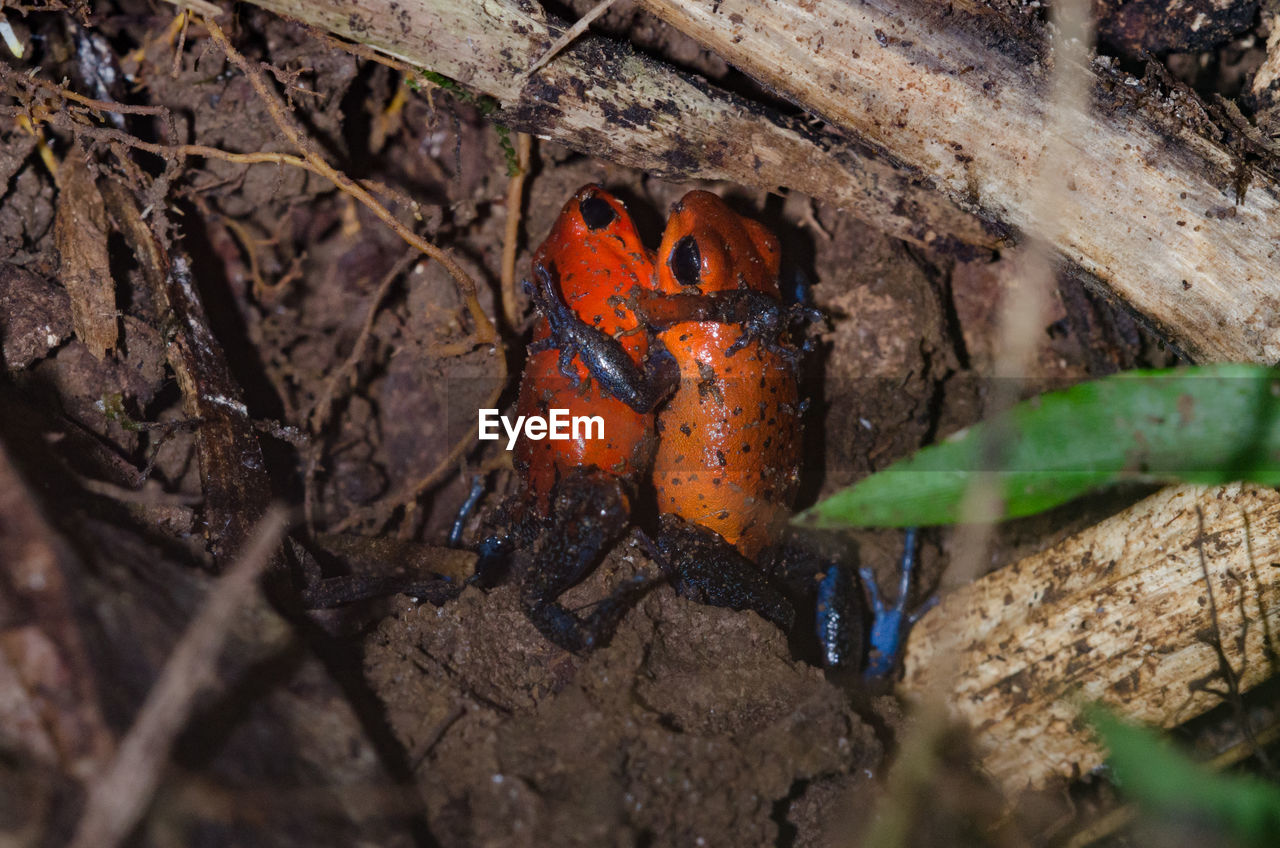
[(576, 494), (729, 439), (728, 461), (728, 456), (617, 332)]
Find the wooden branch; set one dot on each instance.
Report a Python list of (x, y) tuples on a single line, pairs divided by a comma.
[(1151, 612), (119, 795), (602, 98), (233, 475), (1147, 205), (953, 96)]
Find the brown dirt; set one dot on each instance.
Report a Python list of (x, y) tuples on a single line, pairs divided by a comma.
[(689, 728), (400, 722)]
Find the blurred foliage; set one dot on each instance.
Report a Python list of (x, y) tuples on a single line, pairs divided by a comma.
[(1211, 424)]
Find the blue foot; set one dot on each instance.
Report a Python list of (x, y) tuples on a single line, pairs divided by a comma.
[(889, 624)]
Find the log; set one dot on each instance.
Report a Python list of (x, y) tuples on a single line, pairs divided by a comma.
[(1151, 206), (604, 99), (1130, 612), (952, 96)]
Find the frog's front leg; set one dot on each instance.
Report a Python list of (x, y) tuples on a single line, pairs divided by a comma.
[(762, 318), (640, 387)]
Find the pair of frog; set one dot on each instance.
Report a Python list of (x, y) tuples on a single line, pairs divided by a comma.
[(690, 359)]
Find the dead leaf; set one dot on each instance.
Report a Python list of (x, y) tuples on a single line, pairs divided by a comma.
[(81, 231)]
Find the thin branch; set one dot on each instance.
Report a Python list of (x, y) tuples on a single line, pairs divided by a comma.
[(511, 240), (118, 798), (320, 413), (569, 36), (485, 331)]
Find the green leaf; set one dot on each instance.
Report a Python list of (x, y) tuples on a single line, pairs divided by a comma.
[(1212, 424), (1164, 781)]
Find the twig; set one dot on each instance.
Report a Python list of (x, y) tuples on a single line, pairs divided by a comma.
[(410, 492), (320, 412), (365, 52), (203, 8), (90, 102), (485, 331), (151, 495), (569, 35), (511, 240), (117, 799)]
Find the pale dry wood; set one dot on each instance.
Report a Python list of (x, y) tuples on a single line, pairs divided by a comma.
[(1267, 75), (1147, 207), (573, 32), (954, 95), (601, 98), (1119, 613)]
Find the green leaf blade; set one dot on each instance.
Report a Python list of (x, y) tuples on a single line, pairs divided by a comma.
[(1163, 781), (1212, 424)]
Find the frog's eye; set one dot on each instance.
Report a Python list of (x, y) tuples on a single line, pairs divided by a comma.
[(686, 262), (596, 212)]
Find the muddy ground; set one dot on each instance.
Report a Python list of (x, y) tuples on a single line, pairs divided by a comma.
[(132, 474)]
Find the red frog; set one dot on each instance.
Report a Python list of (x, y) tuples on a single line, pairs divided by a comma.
[(727, 460), (728, 455), (594, 255), (576, 494)]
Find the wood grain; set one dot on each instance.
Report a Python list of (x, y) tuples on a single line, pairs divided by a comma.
[(1159, 203), (1127, 613), (602, 98)]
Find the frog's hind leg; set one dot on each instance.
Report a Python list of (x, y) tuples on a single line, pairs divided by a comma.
[(891, 622), (589, 514), (832, 625), (704, 567)]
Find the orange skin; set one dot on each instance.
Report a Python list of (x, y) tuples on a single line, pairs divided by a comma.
[(593, 265), (728, 453), (724, 451)]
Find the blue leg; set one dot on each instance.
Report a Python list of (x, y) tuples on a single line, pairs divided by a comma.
[(887, 623), (839, 620), (464, 511)]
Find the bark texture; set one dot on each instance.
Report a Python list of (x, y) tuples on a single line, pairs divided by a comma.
[(1146, 612), (602, 98), (1160, 204)]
